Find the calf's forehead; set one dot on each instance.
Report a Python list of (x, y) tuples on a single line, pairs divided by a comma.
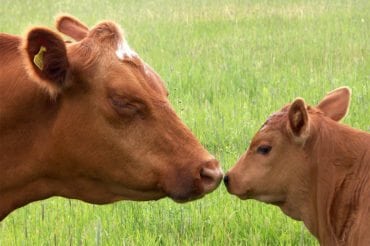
[(273, 128), (267, 136), (277, 123)]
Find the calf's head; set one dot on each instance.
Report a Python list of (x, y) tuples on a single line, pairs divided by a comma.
[(114, 134), (276, 164)]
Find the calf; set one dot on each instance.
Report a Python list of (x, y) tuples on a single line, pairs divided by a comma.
[(314, 168), (91, 120)]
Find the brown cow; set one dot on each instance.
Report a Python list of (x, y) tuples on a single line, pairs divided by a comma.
[(90, 120), (315, 169)]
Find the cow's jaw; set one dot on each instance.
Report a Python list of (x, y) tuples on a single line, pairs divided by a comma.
[(272, 199)]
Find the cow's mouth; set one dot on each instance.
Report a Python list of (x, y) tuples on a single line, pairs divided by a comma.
[(191, 191)]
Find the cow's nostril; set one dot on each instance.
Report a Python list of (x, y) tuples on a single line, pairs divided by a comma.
[(226, 180), (211, 175), (208, 175)]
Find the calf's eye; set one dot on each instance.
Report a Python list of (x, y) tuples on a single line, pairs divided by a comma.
[(264, 149)]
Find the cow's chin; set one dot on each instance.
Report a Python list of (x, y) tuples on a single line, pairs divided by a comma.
[(136, 193), (134, 196), (177, 197), (184, 196), (114, 193), (277, 200), (105, 196), (145, 196), (184, 199)]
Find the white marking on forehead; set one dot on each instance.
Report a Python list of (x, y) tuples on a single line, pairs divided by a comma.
[(123, 50), (146, 68)]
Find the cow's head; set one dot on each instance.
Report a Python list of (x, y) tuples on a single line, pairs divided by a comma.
[(276, 163), (114, 135)]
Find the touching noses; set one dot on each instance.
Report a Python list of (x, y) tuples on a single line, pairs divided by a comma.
[(226, 180), (211, 175)]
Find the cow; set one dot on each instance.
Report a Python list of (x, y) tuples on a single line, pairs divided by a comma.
[(313, 168), (90, 120)]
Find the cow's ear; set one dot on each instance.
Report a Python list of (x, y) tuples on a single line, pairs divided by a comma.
[(71, 27), (336, 103), (298, 123), (46, 59)]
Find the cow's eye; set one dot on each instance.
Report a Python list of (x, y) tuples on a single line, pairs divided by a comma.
[(126, 108), (264, 149)]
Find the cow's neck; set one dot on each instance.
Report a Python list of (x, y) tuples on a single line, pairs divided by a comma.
[(25, 125), (341, 170), (18, 196)]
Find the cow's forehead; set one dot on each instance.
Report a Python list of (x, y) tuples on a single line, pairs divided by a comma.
[(124, 53), (273, 120), (109, 35), (107, 42), (124, 50)]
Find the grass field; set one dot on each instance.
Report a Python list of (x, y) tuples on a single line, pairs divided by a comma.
[(228, 65)]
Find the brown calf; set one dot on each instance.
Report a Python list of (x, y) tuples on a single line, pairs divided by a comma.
[(314, 168), (90, 120)]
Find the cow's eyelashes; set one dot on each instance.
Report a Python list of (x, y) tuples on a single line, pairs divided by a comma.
[(119, 102), (125, 107), (264, 149)]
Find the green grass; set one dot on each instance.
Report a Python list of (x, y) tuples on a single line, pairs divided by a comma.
[(228, 65)]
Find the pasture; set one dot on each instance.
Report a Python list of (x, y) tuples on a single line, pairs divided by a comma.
[(227, 66)]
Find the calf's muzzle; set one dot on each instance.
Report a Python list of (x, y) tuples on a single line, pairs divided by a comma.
[(226, 180)]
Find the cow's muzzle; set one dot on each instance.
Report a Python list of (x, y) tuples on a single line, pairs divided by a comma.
[(211, 175)]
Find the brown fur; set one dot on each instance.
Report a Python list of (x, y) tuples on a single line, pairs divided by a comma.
[(321, 179), (102, 131), (71, 26), (53, 74)]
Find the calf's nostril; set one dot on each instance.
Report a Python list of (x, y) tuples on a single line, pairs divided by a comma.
[(226, 180)]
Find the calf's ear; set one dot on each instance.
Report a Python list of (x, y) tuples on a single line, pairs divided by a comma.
[(298, 123), (336, 103), (45, 57), (71, 27)]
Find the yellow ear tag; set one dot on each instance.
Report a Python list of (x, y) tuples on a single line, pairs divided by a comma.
[(39, 58)]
